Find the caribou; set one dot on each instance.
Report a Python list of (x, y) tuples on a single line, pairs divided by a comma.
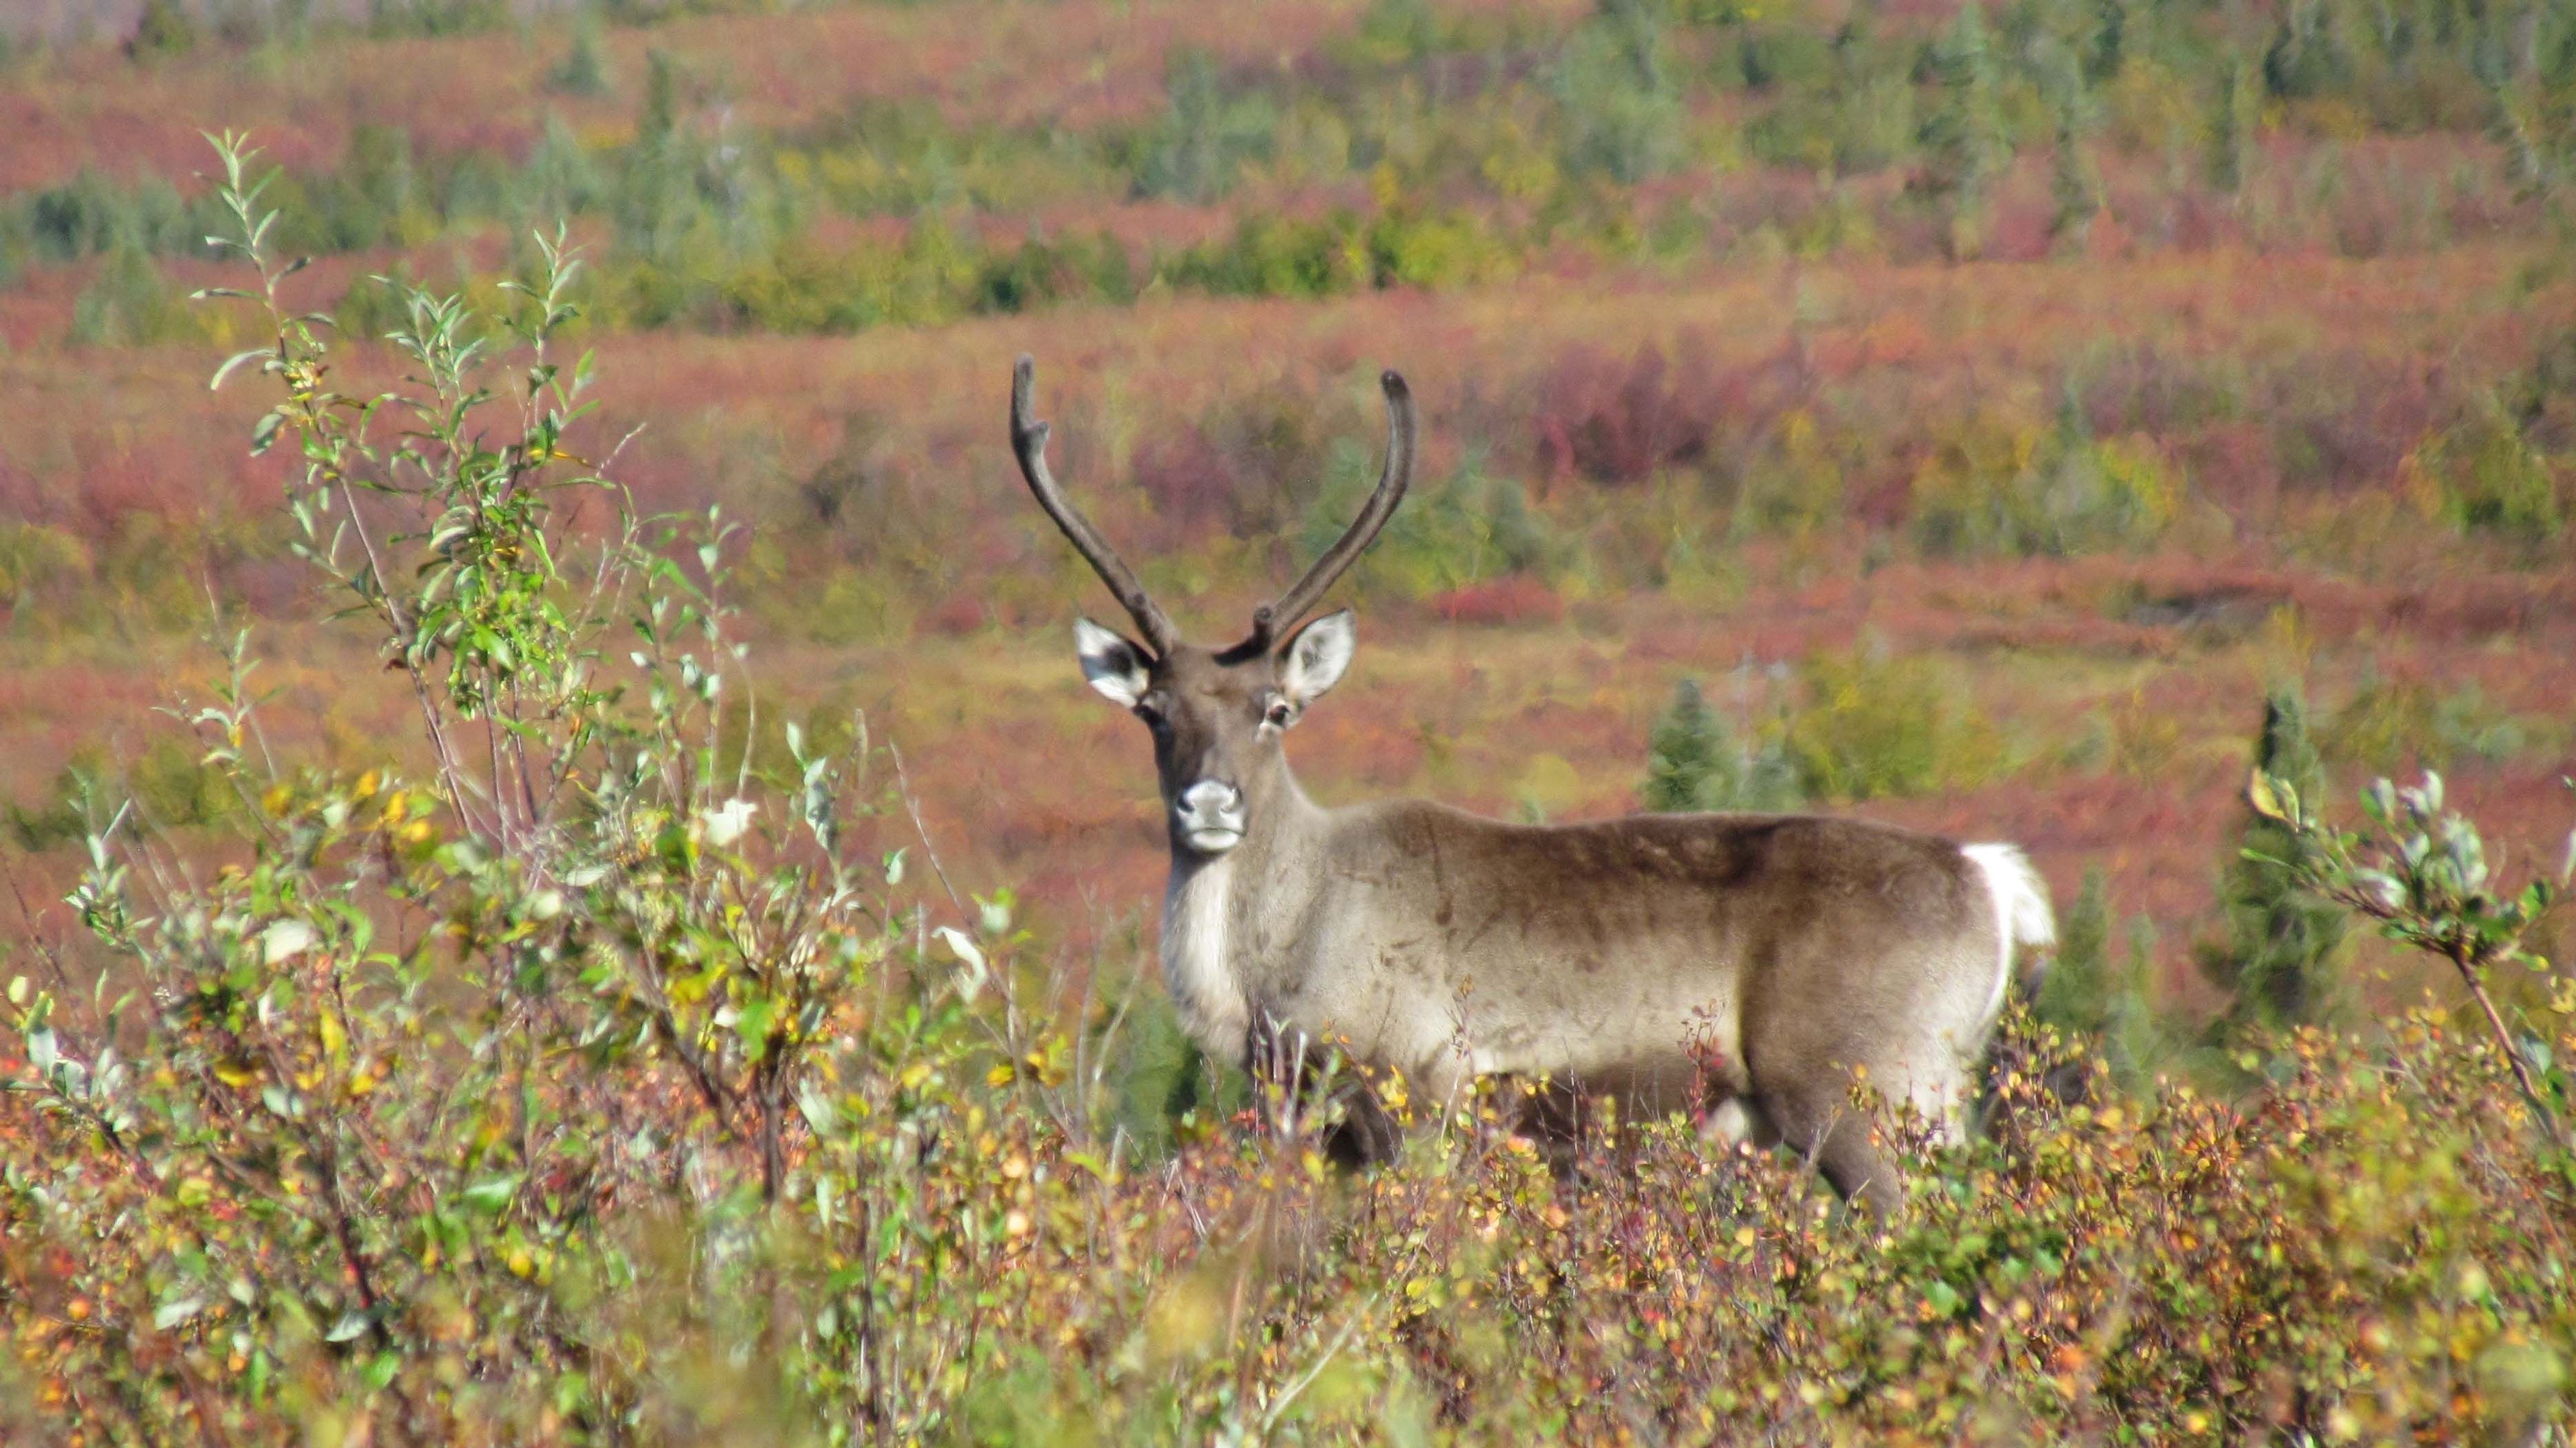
[(1739, 966)]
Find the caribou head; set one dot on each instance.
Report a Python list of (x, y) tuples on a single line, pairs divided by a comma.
[(1217, 715)]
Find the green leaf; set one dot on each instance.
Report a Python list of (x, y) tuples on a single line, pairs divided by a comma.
[(751, 1023), (493, 1193), (235, 360)]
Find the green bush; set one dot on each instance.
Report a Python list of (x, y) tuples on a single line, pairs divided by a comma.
[(2484, 477), (1995, 487), (2390, 723), (1209, 133), (1622, 114), (1793, 486), (1465, 528), (128, 304), (1275, 256), (164, 29), (1874, 727)]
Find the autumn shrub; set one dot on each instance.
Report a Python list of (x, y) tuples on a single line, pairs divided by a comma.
[(2390, 722), (1515, 134), (436, 17), (2484, 476), (445, 1059), (1793, 485), (1276, 256), (1616, 420), (40, 567), (1996, 486), (1513, 599)]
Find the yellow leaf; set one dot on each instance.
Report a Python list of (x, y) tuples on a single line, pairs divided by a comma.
[(2259, 794)]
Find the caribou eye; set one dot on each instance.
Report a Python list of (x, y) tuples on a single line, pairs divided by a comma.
[(1278, 715)]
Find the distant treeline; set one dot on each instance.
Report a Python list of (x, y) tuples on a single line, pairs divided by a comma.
[(1427, 149)]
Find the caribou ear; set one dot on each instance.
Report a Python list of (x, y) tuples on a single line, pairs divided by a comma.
[(1113, 666), (1316, 658)]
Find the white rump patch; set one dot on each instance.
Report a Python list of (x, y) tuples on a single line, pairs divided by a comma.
[(1195, 969), (1735, 1122), (2022, 913)]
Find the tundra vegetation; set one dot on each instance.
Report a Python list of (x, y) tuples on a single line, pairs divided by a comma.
[(560, 890)]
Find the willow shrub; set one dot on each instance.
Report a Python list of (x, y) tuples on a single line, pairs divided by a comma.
[(597, 1087)]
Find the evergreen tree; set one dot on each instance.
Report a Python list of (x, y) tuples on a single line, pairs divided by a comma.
[(585, 69), (1684, 755), (1695, 762), (2232, 125), (164, 29), (2106, 49), (1966, 148), (2086, 996), (2073, 996), (2278, 956), (2074, 183)]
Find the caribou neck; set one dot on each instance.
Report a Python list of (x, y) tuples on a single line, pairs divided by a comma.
[(1214, 909)]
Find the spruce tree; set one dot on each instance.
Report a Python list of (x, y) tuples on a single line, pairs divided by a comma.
[(2074, 182), (2089, 997), (2074, 996), (1686, 757), (1965, 145), (165, 29), (2278, 957), (2233, 120), (1695, 761)]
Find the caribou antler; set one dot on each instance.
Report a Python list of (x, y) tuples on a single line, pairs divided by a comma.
[(1273, 619), (1029, 440)]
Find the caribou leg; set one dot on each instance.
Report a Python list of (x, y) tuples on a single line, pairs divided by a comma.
[(1299, 1085)]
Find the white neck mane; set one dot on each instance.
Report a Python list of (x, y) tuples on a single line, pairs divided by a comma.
[(1198, 911)]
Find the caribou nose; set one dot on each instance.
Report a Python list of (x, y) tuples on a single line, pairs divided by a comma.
[(1210, 816), (1212, 800)]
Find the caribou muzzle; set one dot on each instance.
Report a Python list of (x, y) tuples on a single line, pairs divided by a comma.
[(1209, 817)]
